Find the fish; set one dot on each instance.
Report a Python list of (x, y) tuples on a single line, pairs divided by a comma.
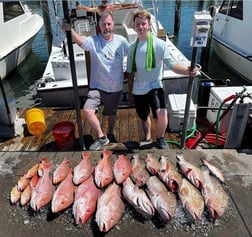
[(139, 173), (214, 170), (26, 196), (193, 173), (169, 175), (85, 201), (61, 171), (34, 180), (84, 169), (63, 197), (215, 197), (163, 200), (110, 208), (43, 161), (22, 183), (103, 170), (137, 198), (152, 164), (32, 171), (191, 199), (15, 195), (122, 169), (43, 192)]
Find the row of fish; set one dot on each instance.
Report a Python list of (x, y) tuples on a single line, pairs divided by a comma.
[(150, 185)]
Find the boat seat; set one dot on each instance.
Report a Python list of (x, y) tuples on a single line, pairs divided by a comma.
[(131, 33)]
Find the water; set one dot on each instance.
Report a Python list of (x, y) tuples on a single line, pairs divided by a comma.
[(21, 83)]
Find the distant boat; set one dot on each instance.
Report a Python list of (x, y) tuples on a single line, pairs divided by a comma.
[(56, 88), (19, 25), (231, 37)]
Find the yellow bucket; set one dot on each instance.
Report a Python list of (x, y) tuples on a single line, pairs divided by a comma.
[(35, 120)]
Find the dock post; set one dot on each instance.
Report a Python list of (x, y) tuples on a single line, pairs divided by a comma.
[(73, 73), (177, 16)]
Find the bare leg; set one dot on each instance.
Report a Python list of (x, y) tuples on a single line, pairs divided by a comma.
[(147, 128), (162, 121), (93, 121), (111, 123)]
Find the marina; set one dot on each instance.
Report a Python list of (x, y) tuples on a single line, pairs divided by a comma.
[(20, 150)]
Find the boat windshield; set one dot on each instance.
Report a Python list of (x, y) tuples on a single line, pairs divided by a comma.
[(232, 8), (12, 10)]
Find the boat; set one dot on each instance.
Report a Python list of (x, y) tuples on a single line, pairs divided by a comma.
[(231, 37), (19, 25), (55, 88)]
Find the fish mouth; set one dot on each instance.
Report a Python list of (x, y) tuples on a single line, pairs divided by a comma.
[(213, 213), (103, 227)]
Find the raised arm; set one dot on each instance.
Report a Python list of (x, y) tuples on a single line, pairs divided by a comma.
[(75, 36)]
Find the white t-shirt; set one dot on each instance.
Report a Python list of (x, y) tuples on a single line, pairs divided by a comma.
[(147, 80), (106, 61)]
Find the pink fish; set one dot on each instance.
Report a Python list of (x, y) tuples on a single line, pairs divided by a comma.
[(110, 208), (214, 170), (122, 169), (34, 181), (63, 197), (152, 164), (103, 170), (32, 171), (139, 173), (193, 173), (26, 195), (43, 161), (43, 192), (163, 200), (216, 199), (169, 175), (22, 183), (61, 171), (15, 195), (191, 199), (137, 198), (84, 169), (85, 201)]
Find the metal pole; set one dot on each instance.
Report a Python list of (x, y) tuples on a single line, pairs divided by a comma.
[(73, 73), (188, 98), (5, 101)]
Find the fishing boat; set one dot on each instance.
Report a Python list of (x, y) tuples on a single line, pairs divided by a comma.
[(231, 37), (19, 25), (56, 88)]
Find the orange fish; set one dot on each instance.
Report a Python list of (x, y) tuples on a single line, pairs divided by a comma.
[(32, 171), (43, 192), (103, 170), (85, 201), (26, 195), (15, 195), (22, 183), (122, 169), (152, 164), (139, 173), (61, 171), (34, 180), (63, 197), (169, 175), (110, 208), (84, 169)]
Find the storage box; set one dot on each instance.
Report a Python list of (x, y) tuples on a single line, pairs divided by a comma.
[(3, 111), (176, 109), (217, 96)]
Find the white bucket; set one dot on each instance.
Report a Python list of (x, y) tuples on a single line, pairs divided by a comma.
[(3, 111)]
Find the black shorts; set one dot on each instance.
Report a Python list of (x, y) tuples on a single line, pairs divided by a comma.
[(154, 99)]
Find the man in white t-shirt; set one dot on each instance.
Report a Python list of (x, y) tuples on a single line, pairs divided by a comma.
[(107, 51)]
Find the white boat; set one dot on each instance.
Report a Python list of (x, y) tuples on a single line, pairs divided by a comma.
[(231, 37), (19, 25), (56, 88)]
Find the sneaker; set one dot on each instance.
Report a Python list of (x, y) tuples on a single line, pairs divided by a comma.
[(99, 143), (145, 142), (111, 137), (161, 143)]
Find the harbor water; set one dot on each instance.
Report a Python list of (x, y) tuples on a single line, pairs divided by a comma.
[(21, 83)]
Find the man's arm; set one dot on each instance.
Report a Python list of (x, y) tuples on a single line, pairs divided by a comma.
[(75, 36), (181, 69)]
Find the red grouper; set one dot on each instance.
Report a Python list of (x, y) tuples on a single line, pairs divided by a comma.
[(110, 208), (85, 201)]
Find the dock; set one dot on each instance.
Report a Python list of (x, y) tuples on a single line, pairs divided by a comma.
[(20, 153)]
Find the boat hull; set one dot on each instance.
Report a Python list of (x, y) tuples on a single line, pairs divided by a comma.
[(237, 63)]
